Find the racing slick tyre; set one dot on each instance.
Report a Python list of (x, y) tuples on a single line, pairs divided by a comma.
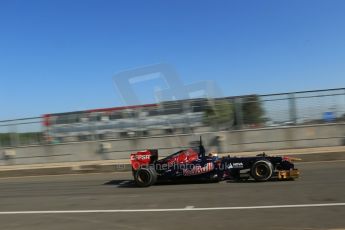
[(145, 177), (262, 170)]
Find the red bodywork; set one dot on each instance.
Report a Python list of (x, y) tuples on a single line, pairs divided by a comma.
[(144, 158), (140, 159)]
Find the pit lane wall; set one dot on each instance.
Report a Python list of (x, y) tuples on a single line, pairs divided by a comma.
[(226, 141)]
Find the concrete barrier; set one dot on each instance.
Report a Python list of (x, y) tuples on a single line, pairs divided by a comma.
[(323, 154), (226, 141)]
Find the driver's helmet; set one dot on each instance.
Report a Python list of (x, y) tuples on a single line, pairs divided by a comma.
[(213, 155)]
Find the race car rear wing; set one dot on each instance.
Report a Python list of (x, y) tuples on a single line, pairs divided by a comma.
[(143, 158)]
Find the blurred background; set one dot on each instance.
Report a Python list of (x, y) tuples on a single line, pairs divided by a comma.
[(229, 124), (279, 64)]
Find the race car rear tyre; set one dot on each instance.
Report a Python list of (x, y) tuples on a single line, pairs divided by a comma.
[(262, 170), (145, 177)]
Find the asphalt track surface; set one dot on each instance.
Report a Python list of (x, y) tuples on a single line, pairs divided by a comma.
[(177, 206)]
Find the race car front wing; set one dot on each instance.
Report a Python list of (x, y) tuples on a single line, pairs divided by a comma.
[(288, 174)]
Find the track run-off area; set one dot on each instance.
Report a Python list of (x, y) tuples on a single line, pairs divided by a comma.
[(112, 201)]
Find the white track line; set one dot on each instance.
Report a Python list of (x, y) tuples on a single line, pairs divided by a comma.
[(190, 208)]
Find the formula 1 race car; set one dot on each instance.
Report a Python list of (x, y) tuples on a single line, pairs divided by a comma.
[(193, 164)]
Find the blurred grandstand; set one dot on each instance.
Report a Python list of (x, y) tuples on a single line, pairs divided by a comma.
[(176, 117)]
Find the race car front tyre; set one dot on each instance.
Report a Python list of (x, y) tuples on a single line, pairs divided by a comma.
[(262, 170), (145, 177)]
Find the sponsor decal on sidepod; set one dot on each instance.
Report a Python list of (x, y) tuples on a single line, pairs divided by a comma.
[(198, 170)]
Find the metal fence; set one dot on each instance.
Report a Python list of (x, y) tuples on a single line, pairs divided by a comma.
[(309, 107), (197, 115), (21, 132)]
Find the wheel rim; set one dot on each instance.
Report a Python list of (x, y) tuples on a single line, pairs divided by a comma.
[(261, 170)]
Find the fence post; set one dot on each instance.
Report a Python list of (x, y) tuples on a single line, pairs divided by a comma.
[(292, 108), (238, 112), (14, 136)]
